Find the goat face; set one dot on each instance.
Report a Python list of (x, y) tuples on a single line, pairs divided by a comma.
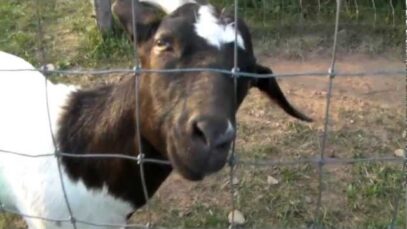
[(191, 116)]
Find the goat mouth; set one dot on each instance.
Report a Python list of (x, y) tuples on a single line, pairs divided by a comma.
[(196, 170), (184, 169), (193, 160)]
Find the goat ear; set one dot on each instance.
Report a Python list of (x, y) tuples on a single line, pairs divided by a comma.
[(148, 18), (270, 87)]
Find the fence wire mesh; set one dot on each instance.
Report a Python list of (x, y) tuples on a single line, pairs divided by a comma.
[(332, 73)]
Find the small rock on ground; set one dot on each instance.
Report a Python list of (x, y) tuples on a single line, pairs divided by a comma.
[(271, 180), (238, 217), (400, 153)]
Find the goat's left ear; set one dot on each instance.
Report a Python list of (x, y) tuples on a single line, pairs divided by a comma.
[(148, 18), (270, 87)]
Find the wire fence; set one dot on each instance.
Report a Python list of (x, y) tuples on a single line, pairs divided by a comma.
[(332, 73)]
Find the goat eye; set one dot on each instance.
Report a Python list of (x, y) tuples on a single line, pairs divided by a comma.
[(159, 42), (163, 44)]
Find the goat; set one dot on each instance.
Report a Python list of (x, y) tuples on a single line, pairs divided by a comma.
[(187, 118)]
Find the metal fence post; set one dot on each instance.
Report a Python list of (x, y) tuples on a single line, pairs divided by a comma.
[(104, 17)]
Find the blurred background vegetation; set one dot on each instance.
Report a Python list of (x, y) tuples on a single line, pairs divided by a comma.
[(301, 27), (288, 28)]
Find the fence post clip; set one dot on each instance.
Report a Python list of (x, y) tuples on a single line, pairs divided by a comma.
[(137, 69), (233, 159), (235, 72), (140, 158), (332, 73)]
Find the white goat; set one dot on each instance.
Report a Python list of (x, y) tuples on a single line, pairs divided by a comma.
[(32, 185)]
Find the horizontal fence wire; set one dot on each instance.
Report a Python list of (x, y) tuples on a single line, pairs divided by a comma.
[(72, 73), (237, 160), (320, 160)]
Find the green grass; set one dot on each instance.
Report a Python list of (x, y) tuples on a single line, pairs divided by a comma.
[(9, 221), (70, 36), (372, 190), (17, 29)]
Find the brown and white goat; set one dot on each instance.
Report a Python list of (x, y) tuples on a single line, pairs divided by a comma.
[(187, 118)]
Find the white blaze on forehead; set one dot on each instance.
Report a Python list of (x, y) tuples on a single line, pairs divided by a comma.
[(213, 31), (168, 6)]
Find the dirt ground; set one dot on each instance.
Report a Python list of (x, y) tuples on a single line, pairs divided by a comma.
[(386, 90)]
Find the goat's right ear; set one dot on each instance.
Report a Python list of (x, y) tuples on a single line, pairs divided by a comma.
[(270, 87), (148, 18)]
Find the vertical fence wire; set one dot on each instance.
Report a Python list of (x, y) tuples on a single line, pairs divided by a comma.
[(356, 9), (301, 12), (392, 13), (137, 76), (331, 75), (375, 13), (399, 195), (264, 11), (346, 6), (405, 147), (319, 7), (232, 158), (281, 11), (40, 35)]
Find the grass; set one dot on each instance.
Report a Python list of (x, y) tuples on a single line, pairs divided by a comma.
[(9, 221), (70, 35), (354, 196)]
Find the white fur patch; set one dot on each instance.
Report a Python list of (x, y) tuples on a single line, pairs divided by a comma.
[(32, 184), (208, 27), (169, 6)]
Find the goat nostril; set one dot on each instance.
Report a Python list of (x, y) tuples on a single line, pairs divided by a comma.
[(224, 140), (199, 131), (213, 133)]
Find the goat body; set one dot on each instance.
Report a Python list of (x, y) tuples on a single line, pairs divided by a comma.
[(32, 185)]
